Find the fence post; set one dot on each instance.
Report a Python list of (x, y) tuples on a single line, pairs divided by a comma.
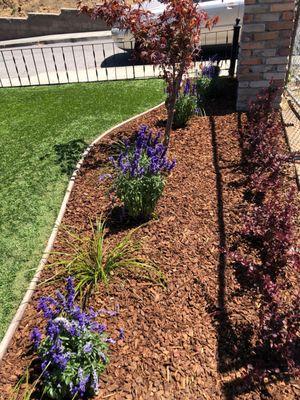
[(235, 47)]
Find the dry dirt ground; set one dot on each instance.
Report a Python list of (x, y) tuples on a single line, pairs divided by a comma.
[(20, 8)]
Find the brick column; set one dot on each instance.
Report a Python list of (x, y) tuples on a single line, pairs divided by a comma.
[(264, 48)]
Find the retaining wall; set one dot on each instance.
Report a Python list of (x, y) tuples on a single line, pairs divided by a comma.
[(39, 24)]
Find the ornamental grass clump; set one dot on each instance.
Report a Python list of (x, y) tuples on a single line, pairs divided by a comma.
[(73, 350), (92, 260), (141, 169)]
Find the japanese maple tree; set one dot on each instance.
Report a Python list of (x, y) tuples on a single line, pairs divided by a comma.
[(169, 40)]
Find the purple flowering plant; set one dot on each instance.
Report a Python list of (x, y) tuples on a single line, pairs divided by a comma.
[(73, 350), (212, 69), (141, 168), (186, 104)]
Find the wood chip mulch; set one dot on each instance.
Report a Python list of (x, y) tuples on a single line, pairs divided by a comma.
[(192, 339)]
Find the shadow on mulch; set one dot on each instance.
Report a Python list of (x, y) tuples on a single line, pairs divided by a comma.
[(233, 342), (118, 221)]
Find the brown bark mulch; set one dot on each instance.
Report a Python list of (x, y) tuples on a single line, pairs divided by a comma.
[(192, 339)]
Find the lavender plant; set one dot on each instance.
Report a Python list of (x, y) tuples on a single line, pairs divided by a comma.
[(73, 351), (211, 86), (186, 105), (212, 69), (141, 169)]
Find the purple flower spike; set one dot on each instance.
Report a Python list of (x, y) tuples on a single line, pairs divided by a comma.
[(121, 334), (104, 176), (36, 337), (145, 157)]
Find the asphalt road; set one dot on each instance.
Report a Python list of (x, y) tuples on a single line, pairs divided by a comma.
[(94, 60)]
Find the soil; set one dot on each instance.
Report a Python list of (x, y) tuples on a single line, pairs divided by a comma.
[(191, 340), (20, 8)]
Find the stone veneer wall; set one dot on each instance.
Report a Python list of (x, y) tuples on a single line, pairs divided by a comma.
[(264, 48)]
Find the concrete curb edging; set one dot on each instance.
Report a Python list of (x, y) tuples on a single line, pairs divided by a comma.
[(56, 39), (32, 286)]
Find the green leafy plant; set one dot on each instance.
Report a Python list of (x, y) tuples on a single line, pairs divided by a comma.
[(209, 88), (92, 261), (187, 104), (140, 195)]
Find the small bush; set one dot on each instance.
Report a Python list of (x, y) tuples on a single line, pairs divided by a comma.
[(215, 88), (73, 351), (203, 89), (278, 332), (141, 168), (272, 224)]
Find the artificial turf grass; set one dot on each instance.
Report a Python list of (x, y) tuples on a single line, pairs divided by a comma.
[(42, 133)]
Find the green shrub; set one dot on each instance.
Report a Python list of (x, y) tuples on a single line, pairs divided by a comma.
[(214, 88), (140, 195)]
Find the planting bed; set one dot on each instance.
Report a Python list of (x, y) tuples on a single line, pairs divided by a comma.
[(192, 339)]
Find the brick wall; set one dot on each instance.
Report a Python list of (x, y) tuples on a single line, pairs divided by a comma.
[(264, 48)]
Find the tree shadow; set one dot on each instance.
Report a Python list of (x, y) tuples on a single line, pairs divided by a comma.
[(125, 59), (233, 342), (68, 154)]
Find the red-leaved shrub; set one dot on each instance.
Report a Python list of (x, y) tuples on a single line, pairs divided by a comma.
[(269, 226)]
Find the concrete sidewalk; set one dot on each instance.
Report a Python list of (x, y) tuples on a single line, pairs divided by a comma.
[(53, 39)]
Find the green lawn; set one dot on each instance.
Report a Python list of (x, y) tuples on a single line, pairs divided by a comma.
[(38, 128)]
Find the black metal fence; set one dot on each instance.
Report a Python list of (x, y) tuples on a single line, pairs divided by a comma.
[(293, 76), (101, 61)]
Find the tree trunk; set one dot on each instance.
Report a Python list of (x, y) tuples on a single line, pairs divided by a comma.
[(170, 104), (171, 110)]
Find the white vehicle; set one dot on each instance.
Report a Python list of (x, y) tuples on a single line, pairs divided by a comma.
[(221, 34)]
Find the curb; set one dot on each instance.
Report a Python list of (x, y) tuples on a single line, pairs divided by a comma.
[(32, 286), (51, 39)]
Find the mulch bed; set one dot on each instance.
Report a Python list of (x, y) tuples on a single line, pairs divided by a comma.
[(191, 340)]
